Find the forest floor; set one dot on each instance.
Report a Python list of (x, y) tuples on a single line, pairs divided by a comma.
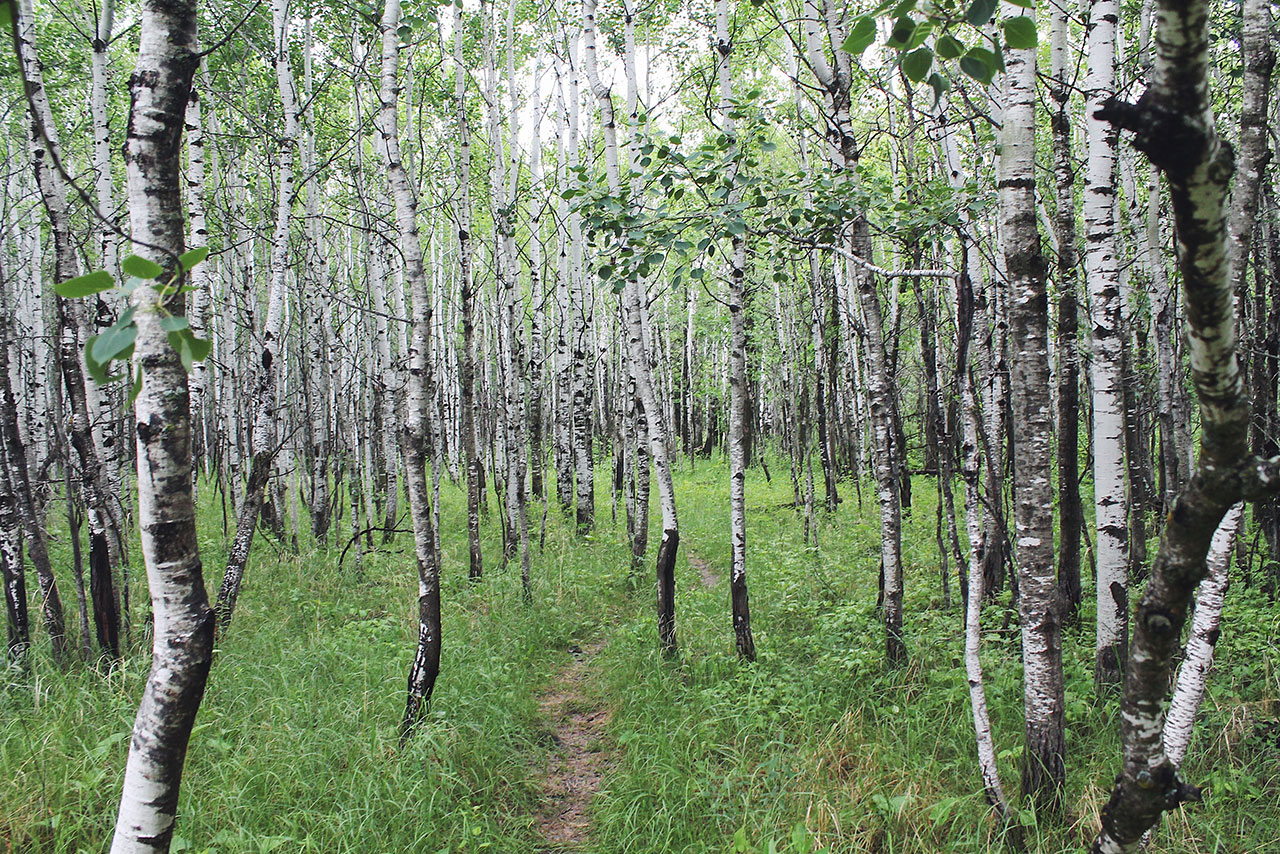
[(580, 760), (558, 725), (706, 572)]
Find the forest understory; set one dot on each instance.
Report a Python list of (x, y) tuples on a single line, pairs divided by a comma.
[(816, 746)]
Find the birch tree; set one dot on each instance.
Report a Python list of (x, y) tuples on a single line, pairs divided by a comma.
[(739, 603), (1039, 607), (182, 650), (1174, 125), (426, 662)]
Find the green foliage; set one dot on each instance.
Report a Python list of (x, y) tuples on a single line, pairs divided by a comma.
[(116, 342)]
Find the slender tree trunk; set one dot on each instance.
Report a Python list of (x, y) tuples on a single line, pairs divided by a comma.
[(1103, 273), (426, 662), (13, 459), (466, 354), (1070, 509), (635, 317), (183, 646), (972, 460), (1043, 771), (270, 353), (73, 325), (738, 390)]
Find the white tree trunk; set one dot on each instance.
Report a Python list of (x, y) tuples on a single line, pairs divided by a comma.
[(1102, 271), (183, 646)]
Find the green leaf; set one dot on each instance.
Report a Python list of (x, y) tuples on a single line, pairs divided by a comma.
[(975, 68), (114, 341), (939, 84), (173, 323), (141, 267), (916, 64), (948, 47), (136, 386), (861, 35), (200, 348), (1020, 32), (83, 286), (903, 29), (190, 259), (190, 348), (980, 12)]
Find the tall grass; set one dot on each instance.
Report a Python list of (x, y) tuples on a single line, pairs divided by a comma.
[(815, 746)]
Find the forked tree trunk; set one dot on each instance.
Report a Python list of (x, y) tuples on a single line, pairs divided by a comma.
[(1174, 125)]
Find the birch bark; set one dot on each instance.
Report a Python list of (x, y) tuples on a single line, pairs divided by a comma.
[(266, 368), (635, 317), (426, 663), (1102, 271), (1174, 126), (183, 646), (739, 602), (1043, 771)]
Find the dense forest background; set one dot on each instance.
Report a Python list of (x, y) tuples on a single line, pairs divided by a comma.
[(667, 426)]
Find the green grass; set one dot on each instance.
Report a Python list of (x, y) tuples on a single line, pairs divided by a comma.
[(815, 746)]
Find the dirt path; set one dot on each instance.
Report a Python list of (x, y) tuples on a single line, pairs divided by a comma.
[(575, 772), (710, 578)]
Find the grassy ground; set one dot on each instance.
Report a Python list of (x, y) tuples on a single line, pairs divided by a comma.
[(815, 747)]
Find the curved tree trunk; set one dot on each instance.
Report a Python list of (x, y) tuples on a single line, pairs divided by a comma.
[(426, 661), (183, 646)]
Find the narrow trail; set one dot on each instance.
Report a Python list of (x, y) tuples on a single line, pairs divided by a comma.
[(576, 769), (710, 578)]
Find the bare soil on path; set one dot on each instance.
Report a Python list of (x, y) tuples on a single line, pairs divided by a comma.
[(579, 763), (710, 578)]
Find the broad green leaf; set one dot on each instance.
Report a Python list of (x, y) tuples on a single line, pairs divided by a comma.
[(980, 11), (948, 47), (98, 370), (200, 348), (975, 68), (916, 64), (987, 58), (112, 342), (190, 259), (141, 267), (173, 323), (1020, 32), (903, 29), (861, 35), (83, 286)]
